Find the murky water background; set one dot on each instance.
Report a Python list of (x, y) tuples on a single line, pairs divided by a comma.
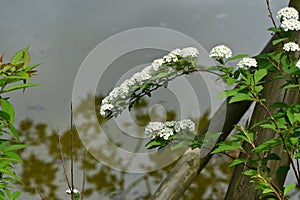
[(61, 34)]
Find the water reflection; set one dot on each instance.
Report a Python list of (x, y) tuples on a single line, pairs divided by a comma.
[(43, 167)]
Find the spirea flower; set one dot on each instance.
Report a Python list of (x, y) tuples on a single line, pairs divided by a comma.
[(291, 46), (189, 52), (287, 13), (118, 98), (220, 52), (247, 62), (167, 129), (290, 25), (298, 64)]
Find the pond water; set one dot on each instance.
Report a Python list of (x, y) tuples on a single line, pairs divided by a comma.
[(61, 34)]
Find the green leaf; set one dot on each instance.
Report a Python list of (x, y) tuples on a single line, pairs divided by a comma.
[(278, 105), (267, 191), (297, 117), (14, 133), (237, 161), (273, 29), (15, 147), (274, 42), (15, 195), (240, 97), (288, 188), (160, 75), (184, 143), (231, 81), (228, 146), (294, 140), (9, 173), (13, 155), (291, 86), (21, 86), (26, 58), (20, 75), (272, 156), (237, 57), (156, 143), (290, 116), (250, 172), (297, 155), (270, 126), (287, 67), (259, 75), (282, 171), (269, 144), (8, 108), (18, 57)]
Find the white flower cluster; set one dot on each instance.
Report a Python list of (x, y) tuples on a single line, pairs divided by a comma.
[(127, 88), (289, 18), (220, 52), (287, 13), (290, 25), (167, 129), (247, 62), (291, 46)]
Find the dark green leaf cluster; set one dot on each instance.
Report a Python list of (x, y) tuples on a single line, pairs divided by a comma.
[(11, 74)]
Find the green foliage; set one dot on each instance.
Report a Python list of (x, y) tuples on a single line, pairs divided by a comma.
[(249, 78), (13, 76)]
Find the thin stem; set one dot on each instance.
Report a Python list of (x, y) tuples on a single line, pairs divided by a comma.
[(40, 194), (83, 175), (270, 13), (283, 141), (298, 167), (63, 164), (72, 160), (233, 158)]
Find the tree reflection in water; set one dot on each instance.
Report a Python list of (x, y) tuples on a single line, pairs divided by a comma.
[(43, 167)]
